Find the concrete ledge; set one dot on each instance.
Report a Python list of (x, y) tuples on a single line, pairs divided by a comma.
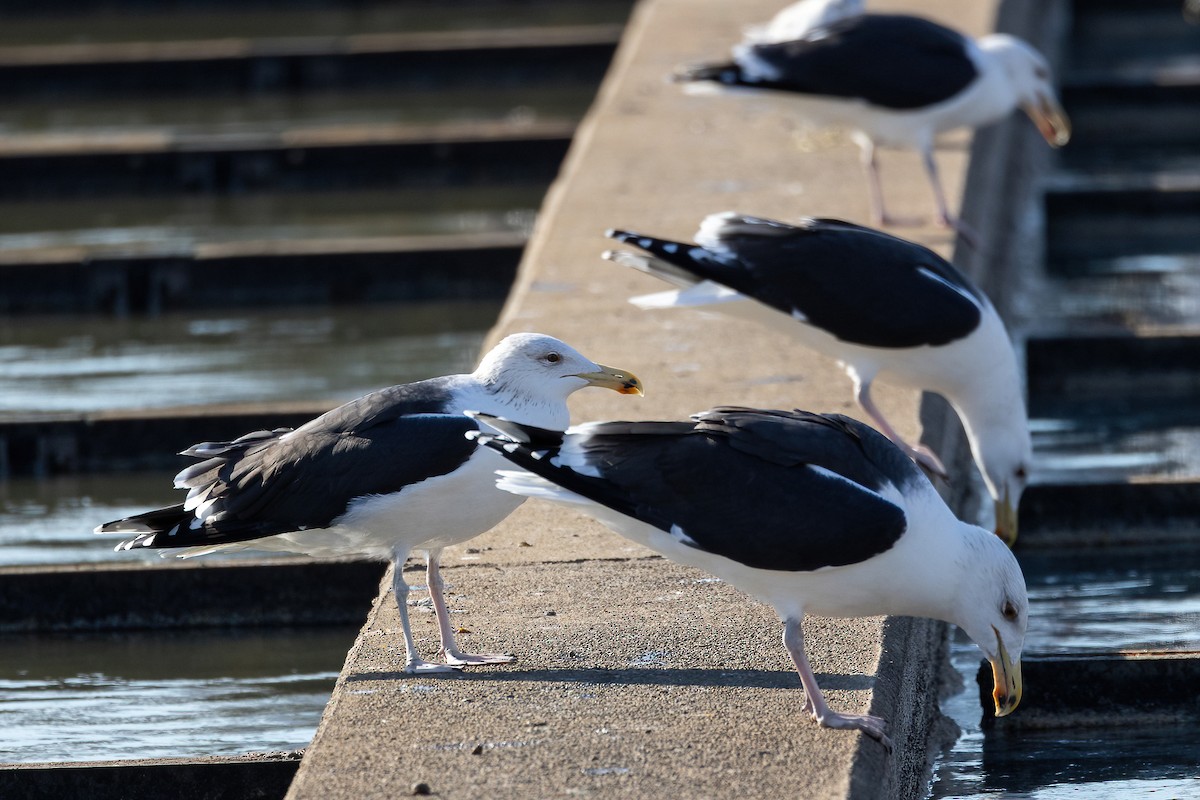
[(649, 679), (632, 674)]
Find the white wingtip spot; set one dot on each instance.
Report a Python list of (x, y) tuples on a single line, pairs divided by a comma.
[(647, 302), (681, 536)]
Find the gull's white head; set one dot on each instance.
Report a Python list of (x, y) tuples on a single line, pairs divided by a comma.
[(547, 370), (991, 606), (1026, 74), (1004, 462)]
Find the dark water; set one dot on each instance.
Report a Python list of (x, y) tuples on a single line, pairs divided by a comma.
[(1084, 602), (1109, 600), (164, 694), (1140, 444), (1094, 763)]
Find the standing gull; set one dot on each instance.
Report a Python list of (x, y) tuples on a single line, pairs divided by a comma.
[(378, 477), (809, 513), (880, 305), (897, 81)]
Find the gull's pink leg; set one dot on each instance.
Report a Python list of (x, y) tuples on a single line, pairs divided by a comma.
[(879, 215), (920, 454), (945, 218), (454, 656), (793, 640), (412, 660)]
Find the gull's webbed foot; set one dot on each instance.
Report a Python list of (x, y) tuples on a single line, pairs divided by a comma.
[(460, 659), (875, 727), (419, 666), (927, 460), (968, 234)]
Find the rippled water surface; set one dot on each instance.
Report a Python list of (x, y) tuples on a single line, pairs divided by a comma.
[(326, 354), (1089, 602), (50, 520), (1094, 763)]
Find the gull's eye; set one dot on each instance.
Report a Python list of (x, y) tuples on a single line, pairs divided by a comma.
[(1009, 611), (553, 358)]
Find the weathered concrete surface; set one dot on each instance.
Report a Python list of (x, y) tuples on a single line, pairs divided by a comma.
[(648, 680)]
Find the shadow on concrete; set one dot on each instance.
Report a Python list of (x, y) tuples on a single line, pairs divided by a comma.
[(760, 678)]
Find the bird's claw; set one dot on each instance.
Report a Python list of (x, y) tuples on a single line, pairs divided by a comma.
[(965, 232), (927, 460), (458, 659), (875, 727), (420, 667), (894, 221)]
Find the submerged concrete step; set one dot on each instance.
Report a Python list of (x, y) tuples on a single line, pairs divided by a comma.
[(186, 594), (1140, 127), (1105, 514), (331, 158), (1111, 409), (1112, 375), (75, 280), (454, 58), (1148, 41), (26, 21), (1088, 226), (251, 777), (1120, 689), (45, 444)]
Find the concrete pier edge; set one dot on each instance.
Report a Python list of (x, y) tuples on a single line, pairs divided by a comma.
[(630, 680)]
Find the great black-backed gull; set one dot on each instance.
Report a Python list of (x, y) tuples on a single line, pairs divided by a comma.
[(878, 304), (378, 477), (810, 513), (897, 81)]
